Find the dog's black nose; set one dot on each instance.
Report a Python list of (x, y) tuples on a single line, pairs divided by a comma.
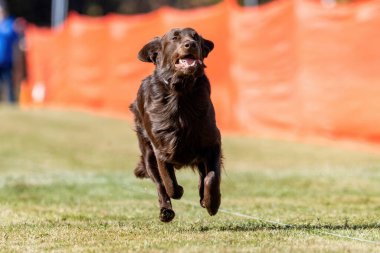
[(190, 44)]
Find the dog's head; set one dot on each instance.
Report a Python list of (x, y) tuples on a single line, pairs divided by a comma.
[(179, 52)]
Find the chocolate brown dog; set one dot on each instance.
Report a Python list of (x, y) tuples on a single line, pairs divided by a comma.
[(175, 119)]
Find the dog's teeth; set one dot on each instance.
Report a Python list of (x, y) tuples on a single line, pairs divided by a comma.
[(185, 62)]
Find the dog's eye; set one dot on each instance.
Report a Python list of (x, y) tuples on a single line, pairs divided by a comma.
[(174, 38)]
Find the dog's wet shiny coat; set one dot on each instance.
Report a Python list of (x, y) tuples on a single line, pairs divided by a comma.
[(175, 119)]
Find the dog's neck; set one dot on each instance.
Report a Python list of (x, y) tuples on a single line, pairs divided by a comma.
[(182, 84), (178, 81)]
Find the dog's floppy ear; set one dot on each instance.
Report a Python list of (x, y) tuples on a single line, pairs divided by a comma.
[(207, 47), (150, 51)]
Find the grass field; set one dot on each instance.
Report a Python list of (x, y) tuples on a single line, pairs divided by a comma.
[(66, 185)]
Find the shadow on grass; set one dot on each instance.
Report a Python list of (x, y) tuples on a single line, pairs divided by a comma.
[(265, 226)]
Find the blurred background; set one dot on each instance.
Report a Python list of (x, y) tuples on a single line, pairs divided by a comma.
[(41, 12), (288, 68), (296, 88)]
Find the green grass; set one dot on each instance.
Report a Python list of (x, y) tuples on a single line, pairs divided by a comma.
[(66, 185)]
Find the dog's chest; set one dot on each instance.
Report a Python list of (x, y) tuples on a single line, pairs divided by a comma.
[(177, 127)]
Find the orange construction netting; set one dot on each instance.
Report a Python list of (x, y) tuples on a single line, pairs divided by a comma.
[(294, 67)]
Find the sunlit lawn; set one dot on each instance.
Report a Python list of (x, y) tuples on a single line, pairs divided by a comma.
[(66, 184)]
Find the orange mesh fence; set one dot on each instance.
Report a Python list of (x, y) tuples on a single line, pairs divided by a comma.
[(263, 67), (339, 69), (291, 67)]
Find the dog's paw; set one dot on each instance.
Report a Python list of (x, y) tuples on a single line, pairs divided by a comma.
[(202, 202), (178, 193), (140, 171), (166, 215), (211, 200)]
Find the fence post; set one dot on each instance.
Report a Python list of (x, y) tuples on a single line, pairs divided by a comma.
[(58, 12), (251, 2)]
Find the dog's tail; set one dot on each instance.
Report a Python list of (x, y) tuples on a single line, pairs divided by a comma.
[(140, 170)]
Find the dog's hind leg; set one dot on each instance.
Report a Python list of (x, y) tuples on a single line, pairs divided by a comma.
[(144, 144), (211, 192), (140, 170), (166, 212)]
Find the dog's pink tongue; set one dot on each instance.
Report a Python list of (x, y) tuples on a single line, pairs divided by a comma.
[(189, 61)]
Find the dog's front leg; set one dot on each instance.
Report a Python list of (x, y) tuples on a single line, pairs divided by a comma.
[(166, 212), (211, 193), (201, 185), (167, 173)]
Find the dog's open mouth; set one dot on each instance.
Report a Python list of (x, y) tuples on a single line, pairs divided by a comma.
[(187, 62)]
